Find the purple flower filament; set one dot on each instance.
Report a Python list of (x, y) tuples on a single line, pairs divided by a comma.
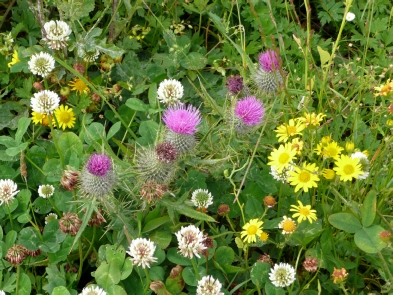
[(182, 119), (99, 164), (250, 110), (268, 60)]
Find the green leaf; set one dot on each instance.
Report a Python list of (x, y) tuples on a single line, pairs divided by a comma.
[(107, 274), (161, 237), (52, 237), (24, 284), (136, 104), (224, 255), (156, 273), (53, 170), (260, 273), (190, 277), (55, 278), (60, 291), (29, 237), (153, 101), (23, 124), (11, 113), (95, 132), (153, 224), (126, 269), (194, 61), (324, 55), (191, 212), (369, 208), (115, 255), (368, 240), (13, 151), (346, 222), (8, 141), (116, 290), (176, 258), (69, 143), (112, 50), (148, 131), (10, 238), (270, 289), (114, 129), (253, 208)]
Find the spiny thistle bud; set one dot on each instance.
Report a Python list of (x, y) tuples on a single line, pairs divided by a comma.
[(223, 209), (16, 254), (96, 218), (79, 67), (151, 169), (151, 191), (269, 201), (166, 152), (311, 264), (70, 223), (181, 122), (69, 179), (97, 178), (339, 275), (267, 76), (235, 84)]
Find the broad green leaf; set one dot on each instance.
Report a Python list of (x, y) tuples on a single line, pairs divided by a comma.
[(260, 273), (13, 151), (60, 291), (7, 141), (114, 129), (346, 222), (69, 143), (136, 104), (107, 274), (29, 237), (148, 131), (10, 238), (153, 224), (23, 124), (95, 132), (194, 61), (53, 170), (11, 113), (190, 277), (369, 208), (224, 255), (115, 255), (55, 278), (253, 208), (368, 240), (24, 284), (270, 289), (156, 273), (112, 50), (116, 290), (191, 212), (161, 237), (324, 55), (126, 269), (176, 258), (52, 237)]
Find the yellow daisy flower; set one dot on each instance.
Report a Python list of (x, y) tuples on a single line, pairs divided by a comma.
[(15, 59), (282, 157), (252, 229), (329, 174), (79, 86), (349, 146), (303, 212), (65, 117), (294, 127), (329, 150), (288, 225), (297, 144), (384, 89), (348, 168), (304, 178), (264, 236), (37, 118), (312, 119)]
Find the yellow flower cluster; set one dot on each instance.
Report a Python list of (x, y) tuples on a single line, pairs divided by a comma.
[(64, 116), (385, 89)]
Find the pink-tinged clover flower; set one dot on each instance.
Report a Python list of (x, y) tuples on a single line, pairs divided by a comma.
[(182, 119), (99, 164), (267, 59), (250, 111)]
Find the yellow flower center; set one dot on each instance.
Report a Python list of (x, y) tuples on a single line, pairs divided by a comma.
[(291, 130), (264, 236), (304, 211), (304, 176), (349, 169), (332, 152), (288, 226), (64, 117), (252, 230), (283, 158)]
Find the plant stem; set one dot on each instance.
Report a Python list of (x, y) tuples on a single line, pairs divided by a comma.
[(147, 279), (9, 215), (194, 265)]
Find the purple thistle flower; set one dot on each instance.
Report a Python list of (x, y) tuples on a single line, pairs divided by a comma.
[(266, 60), (99, 164), (250, 110), (235, 84), (182, 119)]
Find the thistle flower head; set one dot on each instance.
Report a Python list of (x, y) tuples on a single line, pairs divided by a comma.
[(182, 119), (170, 91), (45, 102), (99, 164), (70, 223), (46, 191), (8, 189), (142, 251), (250, 111), (166, 152), (151, 191), (209, 286), (269, 60), (57, 33), (235, 84), (282, 275), (41, 64), (202, 198), (92, 290), (190, 240)]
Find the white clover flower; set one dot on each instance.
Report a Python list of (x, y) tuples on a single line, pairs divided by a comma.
[(190, 240), (282, 275), (363, 161), (209, 286), (46, 190), (41, 64), (202, 198), (170, 91), (142, 251), (92, 290), (281, 176), (8, 189), (350, 16), (90, 56), (45, 102), (2, 292), (50, 217), (57, 33)]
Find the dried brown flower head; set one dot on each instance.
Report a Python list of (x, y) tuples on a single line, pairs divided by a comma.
[(311, 264), (70, 223)]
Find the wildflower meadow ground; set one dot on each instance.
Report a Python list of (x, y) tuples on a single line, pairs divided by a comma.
[(196, 147)]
